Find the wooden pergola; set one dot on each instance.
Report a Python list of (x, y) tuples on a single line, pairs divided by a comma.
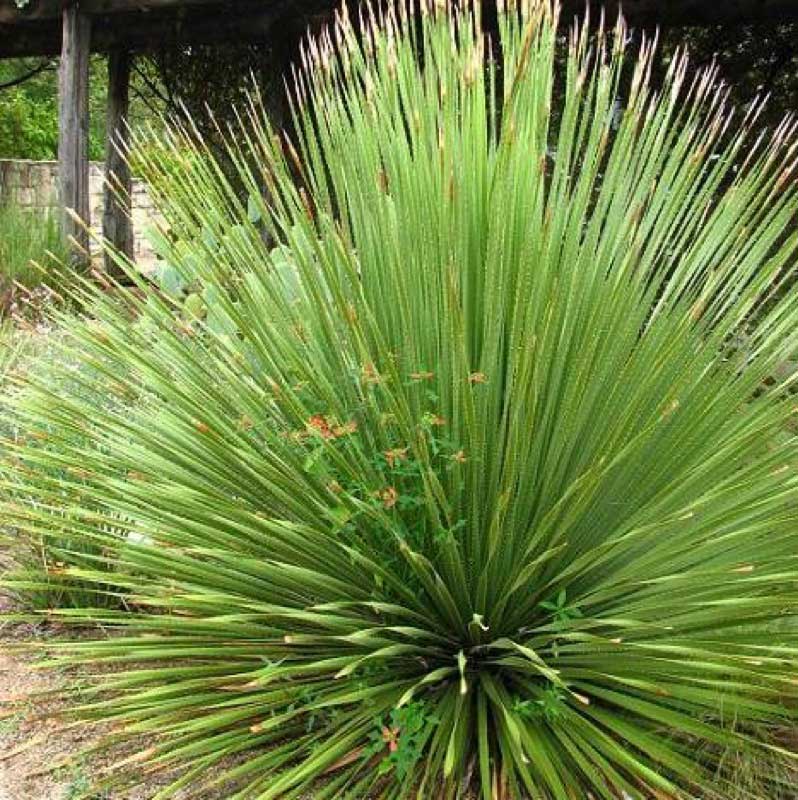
[(74, 29)]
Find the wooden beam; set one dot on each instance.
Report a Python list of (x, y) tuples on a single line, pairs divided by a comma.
[(685, 13), (51, 9), (27, 41), (139, 25), (73, 124), (117, 224), (638, 12), (242, 21)]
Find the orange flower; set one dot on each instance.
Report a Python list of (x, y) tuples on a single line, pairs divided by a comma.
[(477, 377), (437, 421), (319, 424), (370, 374), (397, 454), (201, 426), (327, 428), (346, 428), (391, 737), (422, 376), (389, 496), (459, 457)]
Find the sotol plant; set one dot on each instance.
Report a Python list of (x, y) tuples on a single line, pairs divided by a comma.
[(468, 486)]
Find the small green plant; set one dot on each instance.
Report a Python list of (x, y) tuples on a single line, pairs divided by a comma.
[(79, 786), (550, 706), (447, 485), (32, 254), (399, 739), (9, 724)]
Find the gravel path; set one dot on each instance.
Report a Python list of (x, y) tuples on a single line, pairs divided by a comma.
[(27, 744), (39, 758)]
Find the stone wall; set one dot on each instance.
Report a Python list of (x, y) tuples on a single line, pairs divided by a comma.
[(33, 185)]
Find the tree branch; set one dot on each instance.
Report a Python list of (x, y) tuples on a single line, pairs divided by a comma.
[(43, 66), (149, 84)]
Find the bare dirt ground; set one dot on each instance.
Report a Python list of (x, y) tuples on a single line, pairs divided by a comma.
[(31, 747), (40, 755)]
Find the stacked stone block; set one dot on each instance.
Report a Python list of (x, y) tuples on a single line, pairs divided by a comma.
[(33, 186)]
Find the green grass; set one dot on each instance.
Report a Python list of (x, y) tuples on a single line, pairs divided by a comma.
[(768, 775), (461, 488), (32, 249)]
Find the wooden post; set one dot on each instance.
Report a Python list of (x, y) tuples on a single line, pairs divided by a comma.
[(117, 225), (73, 124)]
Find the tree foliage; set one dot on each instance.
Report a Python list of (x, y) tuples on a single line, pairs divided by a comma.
[(29, 110)]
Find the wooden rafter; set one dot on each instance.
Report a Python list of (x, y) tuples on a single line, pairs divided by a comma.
[(34, 29), (51, 9), (139, 31), (639, 12)]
